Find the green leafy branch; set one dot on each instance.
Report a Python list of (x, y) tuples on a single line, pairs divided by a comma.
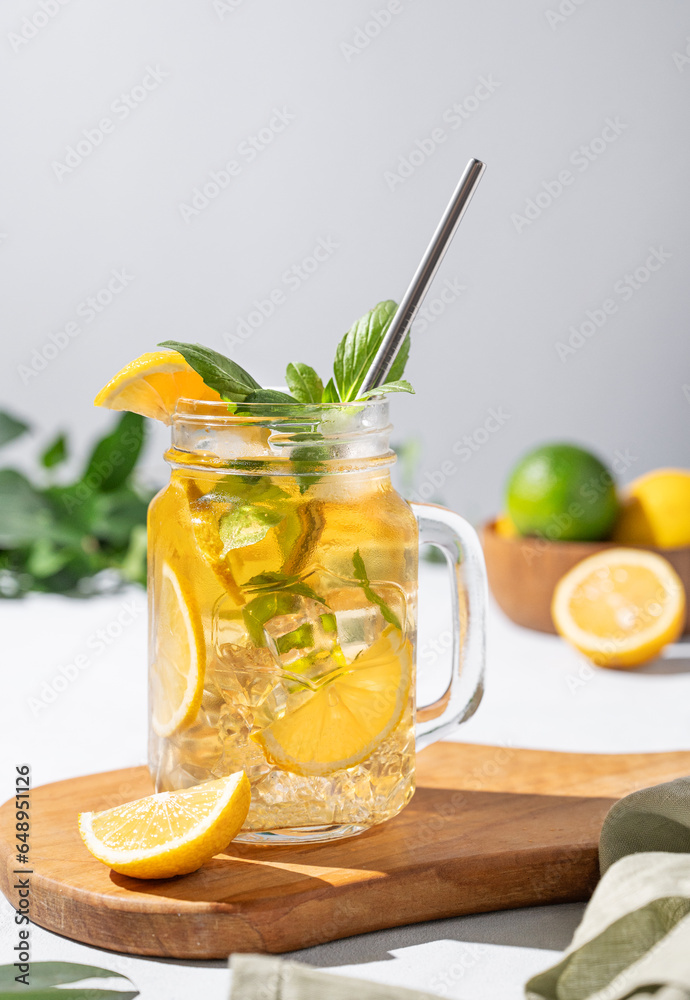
[(57, 537)]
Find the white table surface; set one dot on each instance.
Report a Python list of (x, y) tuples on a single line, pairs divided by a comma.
[(539, 694)]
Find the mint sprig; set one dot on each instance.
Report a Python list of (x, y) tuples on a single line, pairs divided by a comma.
[(304, 384), (353, 358), (362, 577), (358, 348)]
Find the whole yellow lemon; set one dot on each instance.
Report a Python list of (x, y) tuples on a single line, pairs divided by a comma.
[(656, 510), (504, 526)]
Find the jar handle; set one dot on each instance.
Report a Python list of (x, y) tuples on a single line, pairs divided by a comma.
[(459, 542)]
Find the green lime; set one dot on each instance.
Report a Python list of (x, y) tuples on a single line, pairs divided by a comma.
[(563, 493)]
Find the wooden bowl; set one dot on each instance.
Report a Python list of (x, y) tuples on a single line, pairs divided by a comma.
[(524, 571)]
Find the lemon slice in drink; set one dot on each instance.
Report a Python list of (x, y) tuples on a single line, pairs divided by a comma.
[(152, 384), (620, 607), (345, 720), (171, 833), (177, 673)]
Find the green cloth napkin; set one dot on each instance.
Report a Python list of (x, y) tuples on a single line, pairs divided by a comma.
[(634, 939), (265, 977), (633, 942)]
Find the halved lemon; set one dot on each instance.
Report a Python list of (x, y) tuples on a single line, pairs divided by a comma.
[(344, 721), (620, 607), (177, 670), (152, 384), (171, 833)]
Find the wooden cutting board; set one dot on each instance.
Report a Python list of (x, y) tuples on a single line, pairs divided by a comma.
[(489, 828)]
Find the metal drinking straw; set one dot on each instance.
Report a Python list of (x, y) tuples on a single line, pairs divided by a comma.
[(414, 296)]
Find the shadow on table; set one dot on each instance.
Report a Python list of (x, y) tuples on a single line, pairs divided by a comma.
[(676, 660), (547, 928), (540, 927)]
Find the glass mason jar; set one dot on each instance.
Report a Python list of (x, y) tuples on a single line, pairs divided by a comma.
[(282, 616)]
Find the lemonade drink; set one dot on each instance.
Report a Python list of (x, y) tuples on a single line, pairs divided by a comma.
[(283, 569), (283, 587)]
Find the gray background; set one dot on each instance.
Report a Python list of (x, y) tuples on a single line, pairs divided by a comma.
[(354, 111)]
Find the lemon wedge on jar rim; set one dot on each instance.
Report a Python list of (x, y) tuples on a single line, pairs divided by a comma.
[(152, 384)]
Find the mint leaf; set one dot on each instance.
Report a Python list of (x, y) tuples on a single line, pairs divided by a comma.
[(276, 594), (133, 565), (269, 581), (269, 396), (301, 637), (10, 428), (55, 453), (25, 514), (218, 372), (357, 350), (264, 607), (252, 489), (246, 525), (398, 366), (110, 516), (400, 386), (45, 975), (361, 575), (304, 384), (330, 393), (114, 457), (266, 583), (271, 402), (46, 558)]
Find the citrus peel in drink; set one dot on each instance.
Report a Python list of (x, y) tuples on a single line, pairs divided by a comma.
[(344, 720), (177, 668), (620, 607), (170, 833), (152, 384)]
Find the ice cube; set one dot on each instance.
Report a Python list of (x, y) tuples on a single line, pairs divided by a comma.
[(236, 725), (200, 746), (304, 642), (244, 675), (251, 686), (359, 613)]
